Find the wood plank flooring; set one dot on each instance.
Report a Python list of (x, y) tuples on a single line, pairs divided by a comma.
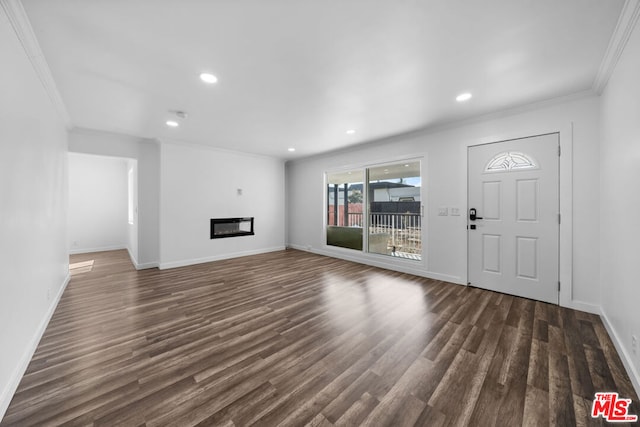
[(292, 338)]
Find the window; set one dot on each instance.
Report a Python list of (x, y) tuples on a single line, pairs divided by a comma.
[(384, 200), (510, 161), (130, 198)]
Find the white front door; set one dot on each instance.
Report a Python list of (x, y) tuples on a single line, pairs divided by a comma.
[(514, 239)]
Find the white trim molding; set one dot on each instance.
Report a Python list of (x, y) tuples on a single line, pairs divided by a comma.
[(187, 262), (378, 261), (143, 266), (626, 23), (10, 388), (146, 265), (19, 20), (98, 249)]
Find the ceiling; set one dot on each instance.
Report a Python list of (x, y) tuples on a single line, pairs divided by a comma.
[(300, 73)]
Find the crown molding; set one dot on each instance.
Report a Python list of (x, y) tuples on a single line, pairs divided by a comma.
[(19, 20), (626, 23), (455, 124), (204, 146)]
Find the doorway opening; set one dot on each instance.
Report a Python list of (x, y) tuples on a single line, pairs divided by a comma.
[(103, 204)]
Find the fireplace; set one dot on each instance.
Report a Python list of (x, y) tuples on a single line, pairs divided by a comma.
[(231, 227)]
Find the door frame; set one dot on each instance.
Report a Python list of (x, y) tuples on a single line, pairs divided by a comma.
[(565, 135), (554, 137)]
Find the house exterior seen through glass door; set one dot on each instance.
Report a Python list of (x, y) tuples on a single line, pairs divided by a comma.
[(395, 210)]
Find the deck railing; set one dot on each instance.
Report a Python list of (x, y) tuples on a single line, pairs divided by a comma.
[(404, 229), (354, 219)]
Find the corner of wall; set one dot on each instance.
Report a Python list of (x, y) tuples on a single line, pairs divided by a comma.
[(143, 266)]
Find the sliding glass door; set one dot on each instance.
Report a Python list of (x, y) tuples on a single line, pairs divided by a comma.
[(395, 210), (385, 201)]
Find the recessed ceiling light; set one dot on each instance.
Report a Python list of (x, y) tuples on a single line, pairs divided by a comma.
[(406, 166), (208, 78), (351, 131), (463, 97), (291, 149), (172, 123)]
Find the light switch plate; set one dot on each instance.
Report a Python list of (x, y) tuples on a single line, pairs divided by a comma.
[(455, 211), (443, 211)]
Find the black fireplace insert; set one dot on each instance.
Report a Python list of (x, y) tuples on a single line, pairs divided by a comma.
[(231, 227)]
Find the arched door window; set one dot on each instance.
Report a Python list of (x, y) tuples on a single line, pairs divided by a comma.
[(510, 161)]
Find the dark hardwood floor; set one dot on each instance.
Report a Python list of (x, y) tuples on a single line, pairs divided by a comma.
[(291, 338)]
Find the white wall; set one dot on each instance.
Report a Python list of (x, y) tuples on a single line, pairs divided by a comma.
[(97, 203), (225, 168), (147, 154), (33, 210), (620, 203), (445, 181), (198, 184)]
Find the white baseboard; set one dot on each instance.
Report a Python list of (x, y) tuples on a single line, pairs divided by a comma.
[(583, 306), (99, 249), (11, 387), (146, 265), (401, 266), (624, 355), (133, 259), (139, 266), (186, 262)]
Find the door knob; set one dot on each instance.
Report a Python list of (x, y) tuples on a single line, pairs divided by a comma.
[(473, 214)]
